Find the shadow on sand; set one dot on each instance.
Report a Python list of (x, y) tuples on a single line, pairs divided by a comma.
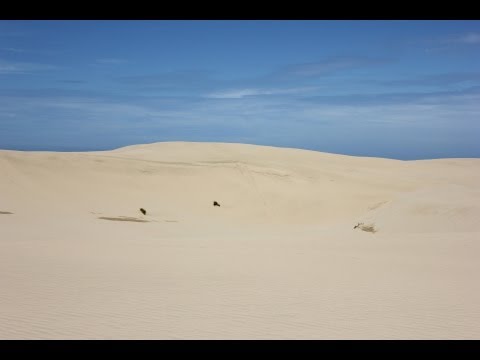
[(123, 218)]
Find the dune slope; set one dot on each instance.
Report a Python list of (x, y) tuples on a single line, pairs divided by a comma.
[(279, 258)]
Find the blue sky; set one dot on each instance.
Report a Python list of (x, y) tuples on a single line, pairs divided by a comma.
[(398, 89)]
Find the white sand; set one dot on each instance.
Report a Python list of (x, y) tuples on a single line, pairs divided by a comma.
[(279, 259)]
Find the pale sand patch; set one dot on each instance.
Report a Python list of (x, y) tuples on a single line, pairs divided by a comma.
[(278, 260)]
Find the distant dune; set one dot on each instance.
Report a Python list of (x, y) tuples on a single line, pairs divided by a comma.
[(281, 258)]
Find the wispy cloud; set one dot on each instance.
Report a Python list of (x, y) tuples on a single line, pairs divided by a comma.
[(438, 79), (9, 33), (111, 61), (172, 83), (241, 93), (8, 67), (376, 99), (469, 38), (68, 81), (291, 79), (168, 78), (451, 42), (13, 50), (329, 66), (16, 50)]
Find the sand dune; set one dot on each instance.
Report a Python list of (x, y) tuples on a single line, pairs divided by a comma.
[(280, 257)]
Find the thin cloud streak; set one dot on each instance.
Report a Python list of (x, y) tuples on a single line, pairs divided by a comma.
[(7, 67), (241, 93), (361, 100), (329, 66), (14, 50), (452, 42), (438, 79), (111, 61), (470, 38)]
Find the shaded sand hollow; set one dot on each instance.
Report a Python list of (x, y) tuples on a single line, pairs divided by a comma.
[(279, 259)]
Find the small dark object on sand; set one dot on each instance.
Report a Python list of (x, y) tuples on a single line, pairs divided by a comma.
[(216, 203), (144, 212), (356, 226)]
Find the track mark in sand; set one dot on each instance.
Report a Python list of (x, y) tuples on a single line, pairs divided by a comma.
[(6, 213), (123, 218), (246, 172), (377, 205)]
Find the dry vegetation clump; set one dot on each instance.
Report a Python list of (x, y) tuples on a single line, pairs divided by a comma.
[(367, 228)]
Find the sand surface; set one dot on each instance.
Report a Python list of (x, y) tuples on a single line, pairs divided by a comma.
[(279, 259)]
